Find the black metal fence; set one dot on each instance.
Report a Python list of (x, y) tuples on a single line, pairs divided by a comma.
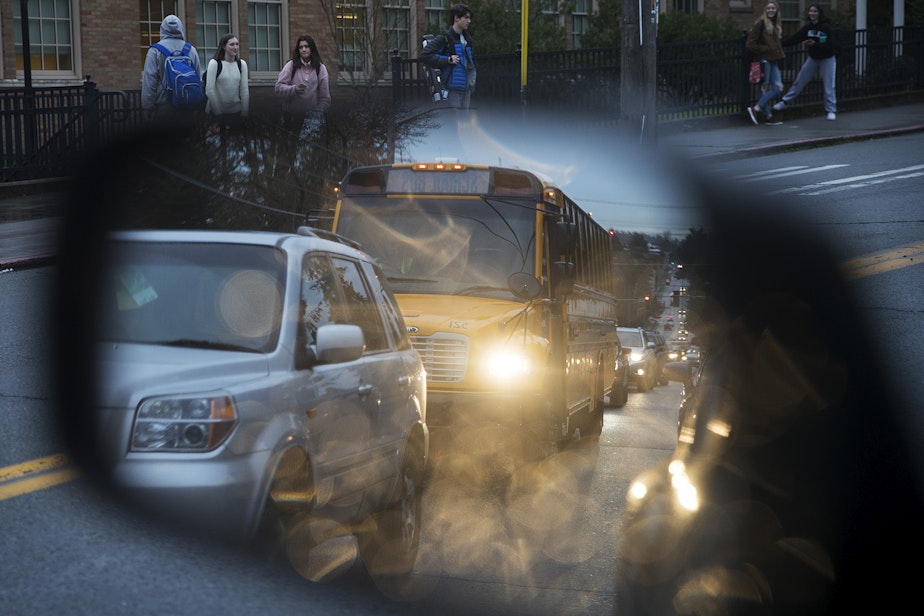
[(42, 129), (700, 79)]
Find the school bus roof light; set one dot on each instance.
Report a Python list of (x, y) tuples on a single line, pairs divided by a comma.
[(439, 167)]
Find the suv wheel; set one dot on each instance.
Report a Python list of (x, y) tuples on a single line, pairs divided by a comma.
[(619, 394), (389, 548)]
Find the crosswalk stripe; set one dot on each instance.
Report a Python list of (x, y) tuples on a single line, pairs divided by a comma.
[(788, 172), (849, 180)]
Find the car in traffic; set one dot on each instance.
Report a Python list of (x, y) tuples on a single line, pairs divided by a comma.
[(643, 362), (692, 355), (262, 386), (619, 391)]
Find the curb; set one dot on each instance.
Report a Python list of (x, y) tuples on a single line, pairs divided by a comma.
[(803, 144), (12, 265)]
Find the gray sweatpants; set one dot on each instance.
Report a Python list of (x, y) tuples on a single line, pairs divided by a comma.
[(827, 70)]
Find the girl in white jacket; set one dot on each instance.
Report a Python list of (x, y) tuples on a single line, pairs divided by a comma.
[(226, 81)]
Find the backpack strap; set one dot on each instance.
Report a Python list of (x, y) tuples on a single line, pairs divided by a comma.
[(161, 49), (168, 53), (220, 64)]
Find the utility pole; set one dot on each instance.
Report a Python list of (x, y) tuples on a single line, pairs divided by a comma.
[(638, 67)]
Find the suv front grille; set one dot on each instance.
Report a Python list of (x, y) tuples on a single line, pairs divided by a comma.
[(444, 356)]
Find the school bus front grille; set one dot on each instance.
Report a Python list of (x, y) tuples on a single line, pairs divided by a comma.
[(445, 356)]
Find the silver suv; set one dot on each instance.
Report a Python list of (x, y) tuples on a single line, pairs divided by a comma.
[(263, 385), (643, 360)]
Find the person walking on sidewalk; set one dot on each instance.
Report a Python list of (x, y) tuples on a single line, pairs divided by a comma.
[(765, 42), (818, 35)]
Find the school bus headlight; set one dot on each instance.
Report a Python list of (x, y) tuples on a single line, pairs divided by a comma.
[(506, 364)]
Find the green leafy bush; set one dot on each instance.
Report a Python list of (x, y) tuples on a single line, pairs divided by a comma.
[(680, 27)]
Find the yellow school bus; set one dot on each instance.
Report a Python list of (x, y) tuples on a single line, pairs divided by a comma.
[(508, 291)]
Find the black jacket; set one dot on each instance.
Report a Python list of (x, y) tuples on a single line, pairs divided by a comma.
[(436, 54), (824, 29)]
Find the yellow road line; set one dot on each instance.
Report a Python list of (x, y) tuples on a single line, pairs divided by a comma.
[(35, 475), (39, 482), (885, 261)]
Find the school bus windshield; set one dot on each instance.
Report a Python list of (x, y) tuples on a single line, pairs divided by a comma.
[(444, 245)]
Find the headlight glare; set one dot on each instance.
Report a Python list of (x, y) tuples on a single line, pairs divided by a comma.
[(506, 364)]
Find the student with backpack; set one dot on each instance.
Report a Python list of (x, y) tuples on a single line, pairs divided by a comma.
[(226, 82), (171, 84), (303, 84), (451, 52)]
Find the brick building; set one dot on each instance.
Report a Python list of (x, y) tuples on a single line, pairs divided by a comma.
[(108, 39)]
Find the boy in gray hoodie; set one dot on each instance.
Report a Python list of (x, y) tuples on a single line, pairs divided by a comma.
[(153, 96)]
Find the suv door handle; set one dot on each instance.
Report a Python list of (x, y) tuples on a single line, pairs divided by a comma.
[(404, 380), (364, 390)]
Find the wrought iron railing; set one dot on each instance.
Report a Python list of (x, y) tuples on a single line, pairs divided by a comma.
[(43, 130)]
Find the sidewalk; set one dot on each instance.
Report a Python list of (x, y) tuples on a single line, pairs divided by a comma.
[(738, 137), (30, 226)]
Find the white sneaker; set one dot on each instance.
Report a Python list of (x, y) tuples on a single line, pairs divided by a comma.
[(753, 116), (780, 106), (832, 115)]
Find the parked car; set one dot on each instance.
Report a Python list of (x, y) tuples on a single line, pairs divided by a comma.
[(661, 352), (619, 391), (643, 363), (263, 386)]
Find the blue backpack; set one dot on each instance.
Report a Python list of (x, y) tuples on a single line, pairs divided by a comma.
[(181, 79)]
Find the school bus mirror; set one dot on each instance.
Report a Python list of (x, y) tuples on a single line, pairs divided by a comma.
[(524, 286)]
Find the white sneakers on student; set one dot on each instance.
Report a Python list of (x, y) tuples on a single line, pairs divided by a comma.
[(832, 115), (780, 106)]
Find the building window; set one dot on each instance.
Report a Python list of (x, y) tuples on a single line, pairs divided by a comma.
[(51, 37), (265, 30), (580, 21), (152, 15), (354, 34), (213, 21), (690, 7), (351, 27), (436, 13), (789, 10), (795, 10), (397, 27)]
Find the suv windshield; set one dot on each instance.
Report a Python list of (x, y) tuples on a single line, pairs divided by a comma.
[(630, 338), (443, 245), (215, 296)]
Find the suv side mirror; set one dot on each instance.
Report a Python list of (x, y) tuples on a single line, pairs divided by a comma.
[(337, 343)]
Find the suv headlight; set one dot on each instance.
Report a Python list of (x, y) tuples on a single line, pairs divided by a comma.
[(183, 424), (636, 356)]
